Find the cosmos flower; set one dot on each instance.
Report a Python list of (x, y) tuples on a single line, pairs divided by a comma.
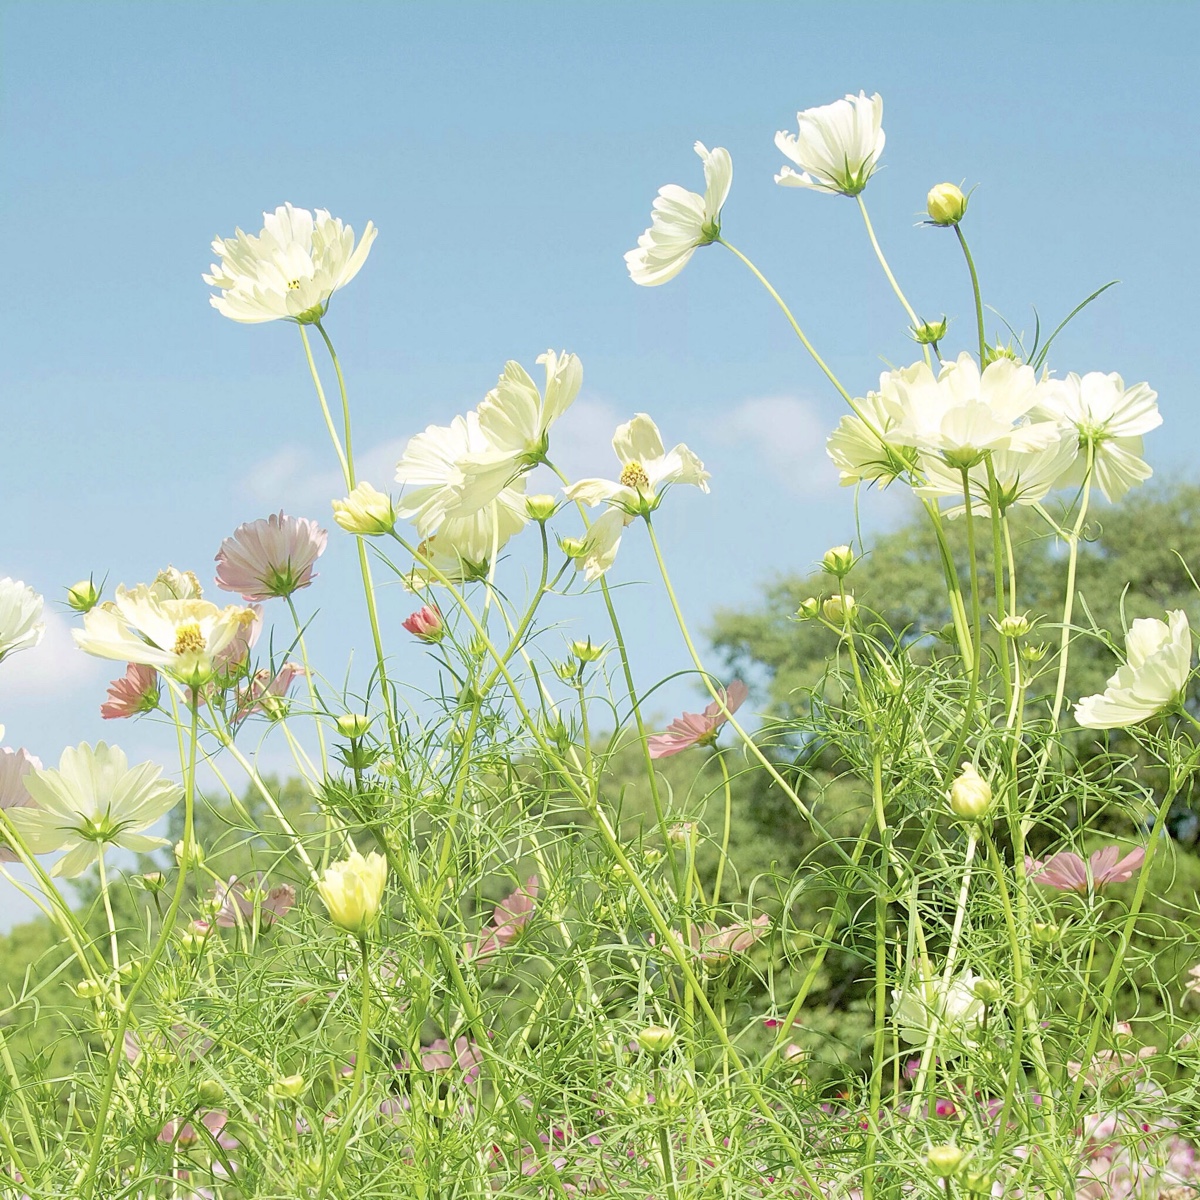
[(1158, 664), (265, 691), (15, 766), (366, 510), (647, 469), (243, 898), (596, 551), (352, 891), (290, 270), (699, 729), (134, 693), (1102, 413), (1067, 872), (962, 414), (93, 800), (173, 584), (837, 147), (463, 547), (21, 626), (184, 638), (680, 221), (957, 1009), (270, 557), (508, 919), (425, 624), (515, 417), (860, 449), (718, 943)]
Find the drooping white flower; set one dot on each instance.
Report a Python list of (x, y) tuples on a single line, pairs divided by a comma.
[(183, 638), (596, 551), (21, 624), (452, 471), (1110, 418), (1158, 662), (94, 799), (1017, 476), (681, 221), (647, 468), (463, 547), (961, 414), (837, 147), (860, 449), (514, 416), (290, 270), (956, 1008)]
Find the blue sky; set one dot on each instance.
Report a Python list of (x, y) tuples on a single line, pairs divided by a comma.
[(509, 154)]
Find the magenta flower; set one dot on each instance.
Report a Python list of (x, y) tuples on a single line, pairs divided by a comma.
[(264, 691), (14, 766), (508, 919), (698, 729), (271, 557), (426, 624), (243, 896), (135, 692), (1067, 872)]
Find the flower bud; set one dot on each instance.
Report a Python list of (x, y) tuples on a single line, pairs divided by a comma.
[(808, 608), (353, 725), (152, 881), (1046, 932), (352, 891), (970, 795), (211, 1091), (83, 596), (839, 610), (1035, 652), (89, 989), (366, 511), (540, 507), (426, 625), (946, 204), (680, 835), (998, 351), (987, 990), (195, 856), (572, 547), (929, 332), (838, 560), (795, 1056), (288, 1087), (1122, 1031), (586, 652), (1015, 625), (656, 1039), (635, 1096), (945, 1159), (978, 1183), (567, 671)]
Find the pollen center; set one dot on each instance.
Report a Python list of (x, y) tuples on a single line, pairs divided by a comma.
[(634, 476), (188, 639), (293, 285)]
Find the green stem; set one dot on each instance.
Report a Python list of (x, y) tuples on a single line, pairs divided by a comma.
[(962, 241), (908, 308), (312, 686), (725, 829)]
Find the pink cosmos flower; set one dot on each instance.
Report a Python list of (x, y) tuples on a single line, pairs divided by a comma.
[(235, 656), (135, 692), (508, 919), (698, 729), (440, 1056), (718, 944), (264, 691), (1067, 872), (186, 1134), (240, 897), (14, 766), (271, 557), (1192, 986), (426, 624)]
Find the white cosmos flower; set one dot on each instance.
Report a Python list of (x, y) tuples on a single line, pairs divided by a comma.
[(1018, 476), (94, 799), (961, 415), (290, 270), (647, 468), (957, 1010), (184, 638), (681, 220), (463, 547), (1109, 417), (452, 471), (1158, 661), (597, 550), (21, 625), (15, 766), (837, 146), (515, 418), (860, 448)]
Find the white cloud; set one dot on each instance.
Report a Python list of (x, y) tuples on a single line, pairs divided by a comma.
[(788, 436), (296, 479), (55, 668)]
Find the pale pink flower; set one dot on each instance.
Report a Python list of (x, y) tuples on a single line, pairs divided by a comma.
[(508, 919), (1192, 986), (263, 692), (271, 557), (135, 692), (699, 729), (426, 623), (718, 944), (440, 1056), (179, 1039), (234, 656), (244, 896), (1067, 872), (14, 766), (184, 1134)]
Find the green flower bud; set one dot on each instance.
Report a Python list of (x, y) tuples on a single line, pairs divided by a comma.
[(353, 725), (946, 204), (970, 795), (839, 610), (211, 1091), (540, 508), (89, 989), (656, 1039), (83, 596), (838, 561), (585, 651), (987, 990), (945, 1159), (288, 1087), (929, 332), (809, 608), (1015, 626)]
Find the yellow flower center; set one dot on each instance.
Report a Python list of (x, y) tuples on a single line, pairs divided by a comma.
[(293, 285), (634, 476), (188, 639)]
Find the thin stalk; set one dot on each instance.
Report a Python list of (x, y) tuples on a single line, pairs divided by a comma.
[(725, 829), (962, 241), (114, 946), (908, 308), (312, 686)]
